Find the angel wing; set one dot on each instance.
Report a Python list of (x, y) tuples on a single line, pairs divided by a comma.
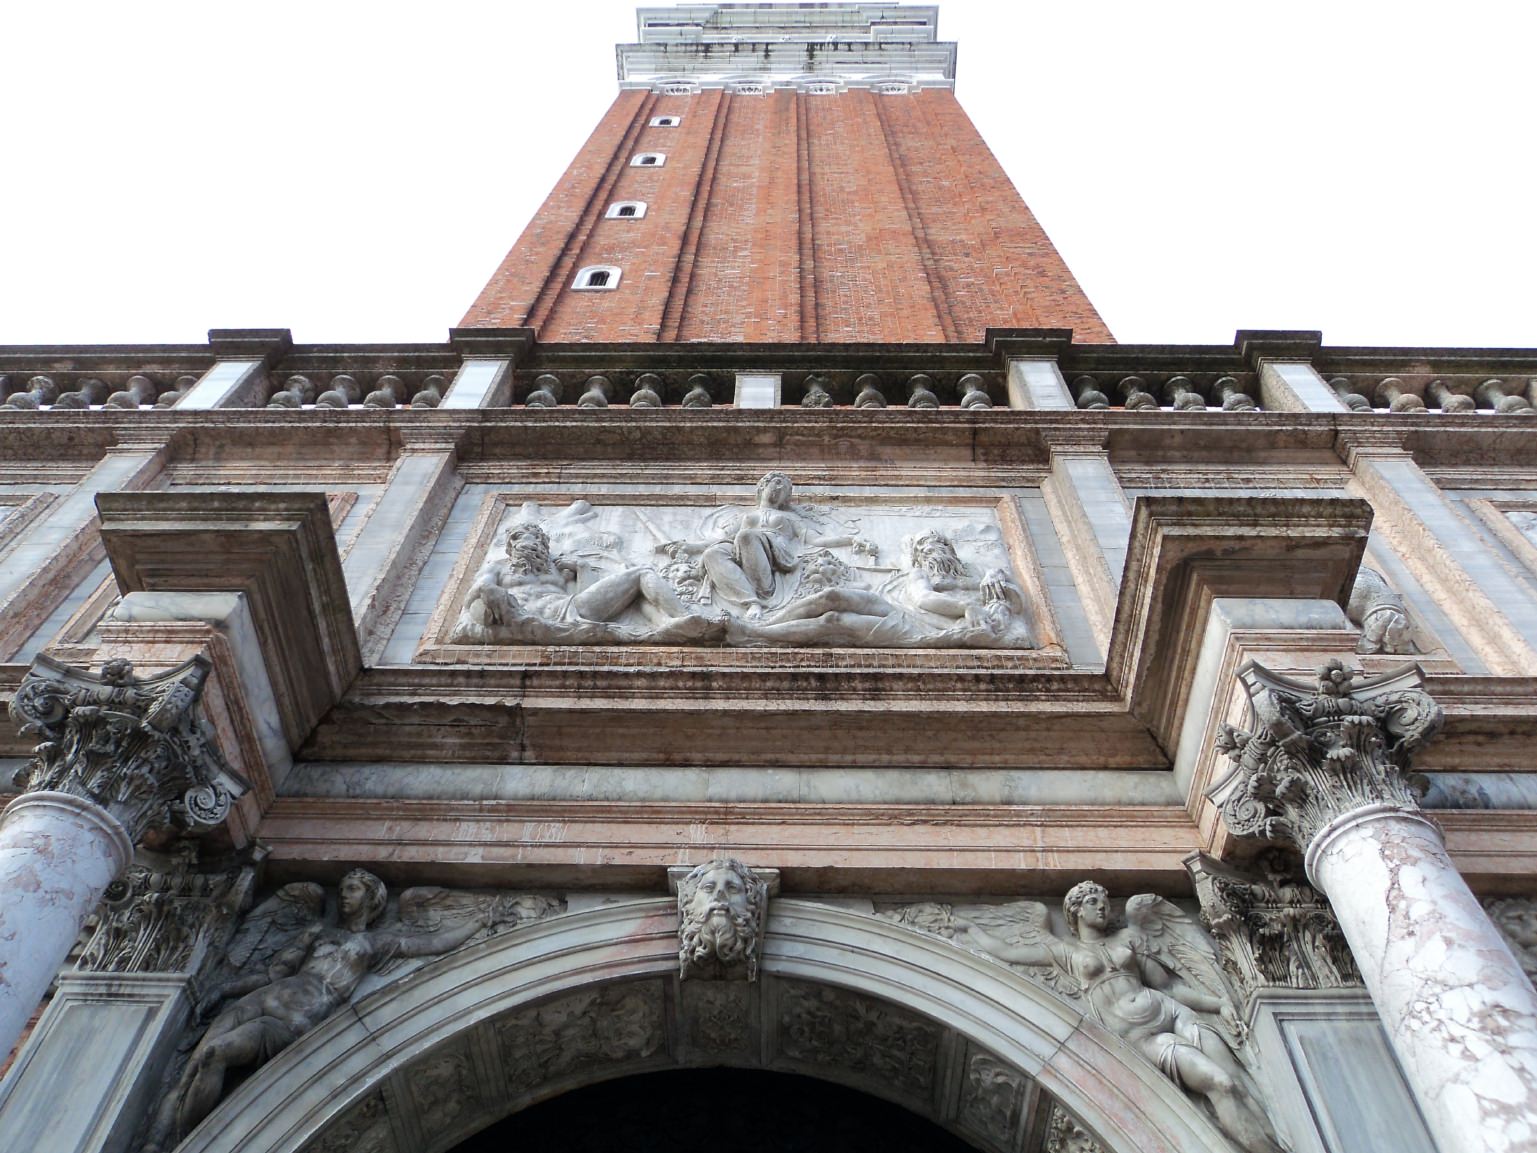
[(428, 908), (1016, 923), (1175, 939), (925, 916), (1021, 923), (272, 925)]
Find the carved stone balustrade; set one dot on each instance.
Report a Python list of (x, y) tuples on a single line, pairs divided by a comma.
[(868, 392), (389, 392), (596, 394)]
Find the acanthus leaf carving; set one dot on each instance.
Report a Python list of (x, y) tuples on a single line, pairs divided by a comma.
[(136, 747), (613, 1025), (823, 1026), (165, 919), (1319, 752), (1065, 1135), (1272, 928)]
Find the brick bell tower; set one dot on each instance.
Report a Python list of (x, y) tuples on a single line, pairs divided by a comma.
[(786, 173)]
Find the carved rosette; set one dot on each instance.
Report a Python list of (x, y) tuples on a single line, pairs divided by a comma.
[(1318, 753), (136, 747), (1273, 929)]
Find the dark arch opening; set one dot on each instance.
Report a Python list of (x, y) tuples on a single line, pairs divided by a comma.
[(714, 1111)]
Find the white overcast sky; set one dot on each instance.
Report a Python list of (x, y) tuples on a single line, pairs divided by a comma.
[(355, 172)]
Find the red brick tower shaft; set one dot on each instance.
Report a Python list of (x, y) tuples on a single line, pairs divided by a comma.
[(793, 173)]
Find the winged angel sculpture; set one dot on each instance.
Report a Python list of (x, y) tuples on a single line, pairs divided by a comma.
[(1154, 982), (292, 965)]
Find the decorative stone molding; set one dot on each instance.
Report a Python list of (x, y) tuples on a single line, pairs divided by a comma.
[(136, 747), (993, 1096), (165, 920), (721, 907), (828, 1027), (1272, 928), (588, 962), (588, 1030), (1317, 754)]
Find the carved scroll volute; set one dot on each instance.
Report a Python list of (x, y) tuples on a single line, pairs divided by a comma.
[(136, 747), (1319, 752)]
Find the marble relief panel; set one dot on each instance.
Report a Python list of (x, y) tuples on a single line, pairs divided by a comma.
[(778, 569)]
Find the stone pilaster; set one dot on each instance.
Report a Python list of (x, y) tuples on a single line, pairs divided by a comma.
[(120, 761), (1327, 770)]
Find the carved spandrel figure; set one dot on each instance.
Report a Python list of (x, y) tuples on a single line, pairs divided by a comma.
[(720, 920), (1146, 983), (536, 597), (306, 968)]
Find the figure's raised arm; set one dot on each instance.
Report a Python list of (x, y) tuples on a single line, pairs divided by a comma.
[(1042, 950), (442, 941)]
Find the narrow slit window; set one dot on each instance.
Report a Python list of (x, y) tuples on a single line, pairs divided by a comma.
[(626, 210), (597, 278), (649, 160)]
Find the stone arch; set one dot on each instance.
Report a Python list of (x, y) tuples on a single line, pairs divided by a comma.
[(462, 1042)]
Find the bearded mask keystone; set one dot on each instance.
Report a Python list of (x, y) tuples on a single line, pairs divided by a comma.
[(720, 910)]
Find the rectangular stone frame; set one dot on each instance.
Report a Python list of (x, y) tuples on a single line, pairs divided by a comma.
[(436, 648)]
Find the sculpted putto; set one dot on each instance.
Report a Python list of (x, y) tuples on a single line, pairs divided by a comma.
[(296, 967), (720, 920), (1155, 983)]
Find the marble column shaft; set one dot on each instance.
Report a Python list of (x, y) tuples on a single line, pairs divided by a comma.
[(1457, 1008), (58, 854)]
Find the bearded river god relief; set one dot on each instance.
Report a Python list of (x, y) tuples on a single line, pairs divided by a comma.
[(772, 569)]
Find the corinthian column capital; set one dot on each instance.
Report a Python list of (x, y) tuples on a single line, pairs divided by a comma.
[(135, 747), (1321, 752)]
